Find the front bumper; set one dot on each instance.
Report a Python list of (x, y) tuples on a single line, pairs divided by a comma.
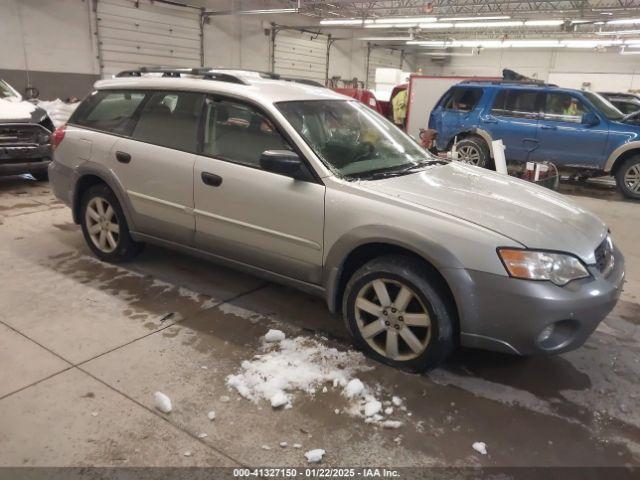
[(24, 148), (507, 314)]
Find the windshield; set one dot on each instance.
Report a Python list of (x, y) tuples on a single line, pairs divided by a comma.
[(604, 106), (353, 140), (6, 91)]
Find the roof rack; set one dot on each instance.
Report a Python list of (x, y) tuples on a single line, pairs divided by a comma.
[(206, 73), (533, 83)]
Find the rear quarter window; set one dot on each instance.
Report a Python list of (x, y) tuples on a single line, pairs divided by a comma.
[(109, 111)]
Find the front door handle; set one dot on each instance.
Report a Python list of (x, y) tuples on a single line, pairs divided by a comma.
[(489, 120), (123, 157), (549, 127), (211, 179)]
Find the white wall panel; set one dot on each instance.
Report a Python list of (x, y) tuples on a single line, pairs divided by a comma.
[(133, 34)]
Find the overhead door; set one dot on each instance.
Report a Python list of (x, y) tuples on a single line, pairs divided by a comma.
[(133, 34), (382, 58), (301, 55)]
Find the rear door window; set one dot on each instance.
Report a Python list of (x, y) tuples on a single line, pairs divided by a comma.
[(109, 111), (463, 99), (516, 103), (170, 119)]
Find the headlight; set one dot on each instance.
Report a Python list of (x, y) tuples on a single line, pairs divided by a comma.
[(558, 268)]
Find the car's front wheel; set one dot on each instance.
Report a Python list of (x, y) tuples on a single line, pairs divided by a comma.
[(474, 151), (628, 178), (398, 314), (105, 227)]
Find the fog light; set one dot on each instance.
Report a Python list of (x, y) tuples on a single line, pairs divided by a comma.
[(545, 334)]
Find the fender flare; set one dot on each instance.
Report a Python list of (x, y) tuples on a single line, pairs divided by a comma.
[(432, 252), (108, 177), (613, 157)]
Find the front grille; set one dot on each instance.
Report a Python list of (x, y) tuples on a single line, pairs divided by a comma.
[(604, 256), (23, 135)]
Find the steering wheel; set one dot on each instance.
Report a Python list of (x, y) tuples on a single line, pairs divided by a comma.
[(363, 151)]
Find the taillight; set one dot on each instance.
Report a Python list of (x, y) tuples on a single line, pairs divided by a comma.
[(58, 136)]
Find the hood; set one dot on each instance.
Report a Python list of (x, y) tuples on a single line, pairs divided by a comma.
[(19, 111), (533, 216)]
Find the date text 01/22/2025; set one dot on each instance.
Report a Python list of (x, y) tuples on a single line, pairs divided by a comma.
[(317, 472)]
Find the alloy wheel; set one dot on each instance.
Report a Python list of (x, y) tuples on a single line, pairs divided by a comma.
[(469, 154), (399, 329), (632, 178), (102, 224)]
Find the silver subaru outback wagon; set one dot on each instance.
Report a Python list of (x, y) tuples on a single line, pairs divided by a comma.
[(306, 187)]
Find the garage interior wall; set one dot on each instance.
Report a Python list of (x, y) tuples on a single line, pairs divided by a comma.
[(569, 68), (53, 41)]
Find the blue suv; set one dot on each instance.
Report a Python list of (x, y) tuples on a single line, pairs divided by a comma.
[(574, 129)]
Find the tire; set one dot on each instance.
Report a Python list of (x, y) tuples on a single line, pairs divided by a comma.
[(474, 151), (111, 225), (390, 319), (42, 176), (628, 177)]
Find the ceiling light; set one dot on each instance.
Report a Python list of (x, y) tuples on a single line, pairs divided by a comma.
[(543, 23), (573, 22), (624, 21), (376, 39), (344, 21), (272, 10), (634, 52), (405, 20), (436, 25), (427, 43), (590, 43), (598, 23), (462, 19), (488, 24), (620, 32)]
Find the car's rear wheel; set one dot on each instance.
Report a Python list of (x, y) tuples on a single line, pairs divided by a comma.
[(628, 178), (105, 227), (398, 314), (474, 151)]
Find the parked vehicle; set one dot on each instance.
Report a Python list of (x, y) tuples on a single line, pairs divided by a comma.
[(627, 103), (574, 129), (25, 135), (310, 188)]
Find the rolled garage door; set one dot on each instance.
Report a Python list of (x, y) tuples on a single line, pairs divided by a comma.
[(139, 33), (301, 55)]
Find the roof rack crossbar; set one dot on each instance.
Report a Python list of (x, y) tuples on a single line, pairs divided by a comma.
[(206, 73)]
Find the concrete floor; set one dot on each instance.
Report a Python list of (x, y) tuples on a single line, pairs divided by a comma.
[(84, 345)]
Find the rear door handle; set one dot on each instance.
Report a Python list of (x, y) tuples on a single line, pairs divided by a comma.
[(123, 157), (549, 127), (211, 179), (490, 120)]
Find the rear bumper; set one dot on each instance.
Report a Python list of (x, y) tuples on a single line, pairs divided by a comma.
[(508, 315)]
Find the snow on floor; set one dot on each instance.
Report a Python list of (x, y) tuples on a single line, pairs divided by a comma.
[(301, 364)]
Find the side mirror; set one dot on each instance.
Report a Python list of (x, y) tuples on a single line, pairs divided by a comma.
[(283, 162), (590, 119)]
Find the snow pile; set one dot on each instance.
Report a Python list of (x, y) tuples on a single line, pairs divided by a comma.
[(14, 110), (294, 364), (480, 447), (211, 415), (162, 402), (58, 111), (273, 336), (286, 365), (314, 456)]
